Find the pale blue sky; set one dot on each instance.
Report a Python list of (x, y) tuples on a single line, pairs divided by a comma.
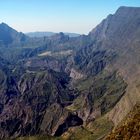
[(78, 16)]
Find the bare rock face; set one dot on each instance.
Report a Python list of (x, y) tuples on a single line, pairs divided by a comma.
[(128, 101), (56, 116), (76, 75)]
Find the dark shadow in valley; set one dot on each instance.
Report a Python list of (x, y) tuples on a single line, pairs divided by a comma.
[(71, 121)]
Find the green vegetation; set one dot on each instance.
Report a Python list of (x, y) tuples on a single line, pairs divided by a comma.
[(97, 129), (104, 90), (37, 138), (78, 104), (93, 131)]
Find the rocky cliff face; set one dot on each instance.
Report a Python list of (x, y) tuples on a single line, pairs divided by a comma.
[(119, 35), (25, 101), (126, 42)]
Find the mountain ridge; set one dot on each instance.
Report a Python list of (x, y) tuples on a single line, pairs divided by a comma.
[(43, 34), (9, 36)]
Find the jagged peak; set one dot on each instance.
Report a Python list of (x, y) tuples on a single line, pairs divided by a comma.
[(6, 27), (125, 9), (123, 12), (3, 24)]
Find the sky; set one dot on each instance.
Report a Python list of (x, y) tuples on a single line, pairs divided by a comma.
[(79, 16)]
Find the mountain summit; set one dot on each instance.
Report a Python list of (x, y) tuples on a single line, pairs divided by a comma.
[(9, 36)]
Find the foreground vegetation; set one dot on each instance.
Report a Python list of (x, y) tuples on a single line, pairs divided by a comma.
[(129, 128)]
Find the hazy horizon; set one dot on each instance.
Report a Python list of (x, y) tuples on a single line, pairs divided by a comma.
[(74, 16)]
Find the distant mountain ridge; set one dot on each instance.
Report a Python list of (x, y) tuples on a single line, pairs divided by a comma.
[(43, 34)]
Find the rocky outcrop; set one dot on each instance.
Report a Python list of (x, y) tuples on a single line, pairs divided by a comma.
[(71, 121), (54, 116), (76, 75)]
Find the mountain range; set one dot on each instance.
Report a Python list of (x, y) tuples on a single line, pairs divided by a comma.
[(60, 87), (43, 34)]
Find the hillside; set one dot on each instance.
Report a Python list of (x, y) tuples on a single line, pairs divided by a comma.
[(129, 128)]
